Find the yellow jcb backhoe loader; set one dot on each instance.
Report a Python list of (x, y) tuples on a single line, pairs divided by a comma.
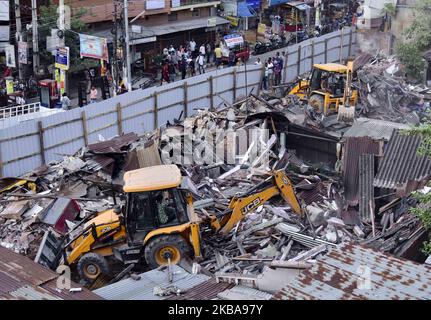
[(328, 87), (159, 224)]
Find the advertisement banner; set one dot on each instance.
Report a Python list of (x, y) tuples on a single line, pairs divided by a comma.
[(4, 10), (155, 4), (62, 58), (233, 40), (211, 22), (93, 47), (22, 52), (9, 86), (10, 56)]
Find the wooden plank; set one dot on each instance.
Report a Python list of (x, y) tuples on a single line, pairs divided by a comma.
[(155, 112), (186, 104), (210, 79), (84, 127), (119, 119), (41, 142), (234, 72), (298, 71)]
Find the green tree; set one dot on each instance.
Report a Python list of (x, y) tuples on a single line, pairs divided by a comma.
[(416, 39), (423, 210), (47, 20)]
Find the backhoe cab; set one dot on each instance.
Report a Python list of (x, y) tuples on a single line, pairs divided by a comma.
[(328, 87), (158, 224)]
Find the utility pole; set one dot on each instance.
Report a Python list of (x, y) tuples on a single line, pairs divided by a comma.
[(114, 65), (35, 36), (128, 72), (18, 36), (62, 42)]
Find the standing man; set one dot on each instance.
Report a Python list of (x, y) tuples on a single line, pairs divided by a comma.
[(171, 69), (231, 58), (202, 49), (208, 50), (218, 55), (183, 67), (192, 47), (201, 62), (277, 69)]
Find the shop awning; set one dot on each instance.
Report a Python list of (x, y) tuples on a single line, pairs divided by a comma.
[(244, 10), (148, 33), (277, 2)]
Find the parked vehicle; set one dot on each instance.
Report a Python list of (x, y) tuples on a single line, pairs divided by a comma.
[(236, 43)]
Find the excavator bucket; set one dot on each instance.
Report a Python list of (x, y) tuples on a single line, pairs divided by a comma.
[(346, 113)]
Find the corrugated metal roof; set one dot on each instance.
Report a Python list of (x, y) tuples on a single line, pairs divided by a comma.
[(355, 272), (142, 289), (22, 278), (373, 128), (401, 167), (353, 148), (114, 145), (207, 290), (366, 188)]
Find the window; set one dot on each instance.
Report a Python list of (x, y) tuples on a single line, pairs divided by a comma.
[(196, 13), (172, 16), (141, 208)]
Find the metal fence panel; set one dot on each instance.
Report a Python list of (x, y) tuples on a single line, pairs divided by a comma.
[(63, 133)]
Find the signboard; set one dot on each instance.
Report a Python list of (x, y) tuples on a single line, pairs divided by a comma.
[(10, 56), (4, 33), (93, 47), (136, 28), (230, 8), (233, 40), (142, 40), (4, 10), (233, 21), (175, 3), (62, 58), (22, 52), (212, 22), (155, 4)]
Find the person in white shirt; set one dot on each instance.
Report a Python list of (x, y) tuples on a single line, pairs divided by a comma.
[(200, 61), (202, 50), (192, 45), (270, 72), (65, 102), (257, 62)]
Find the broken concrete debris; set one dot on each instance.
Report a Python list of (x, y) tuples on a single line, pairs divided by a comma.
[(283, 133)]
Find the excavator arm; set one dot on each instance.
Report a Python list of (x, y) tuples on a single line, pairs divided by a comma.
[(240, 206)]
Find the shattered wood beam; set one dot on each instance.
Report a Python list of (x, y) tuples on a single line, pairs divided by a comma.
[(231, 171), (286, 250), (258, 227)]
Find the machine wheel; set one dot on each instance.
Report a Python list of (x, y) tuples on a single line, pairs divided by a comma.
[(91, 265), (317, 102), (159, 249)]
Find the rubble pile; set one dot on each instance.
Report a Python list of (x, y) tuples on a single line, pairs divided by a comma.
[(65, 193), (385, 93)]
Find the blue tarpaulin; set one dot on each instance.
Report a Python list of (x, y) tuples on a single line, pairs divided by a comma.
[(277, 2), (243, 10), (255, 4)]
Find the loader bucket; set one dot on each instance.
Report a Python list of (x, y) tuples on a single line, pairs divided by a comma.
[(50, 251), (346, 113)]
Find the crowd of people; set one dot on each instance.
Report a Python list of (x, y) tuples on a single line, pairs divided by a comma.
[(273, 71), (185, 61)]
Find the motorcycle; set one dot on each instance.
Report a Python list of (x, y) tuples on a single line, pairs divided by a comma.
[(261, 47)]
